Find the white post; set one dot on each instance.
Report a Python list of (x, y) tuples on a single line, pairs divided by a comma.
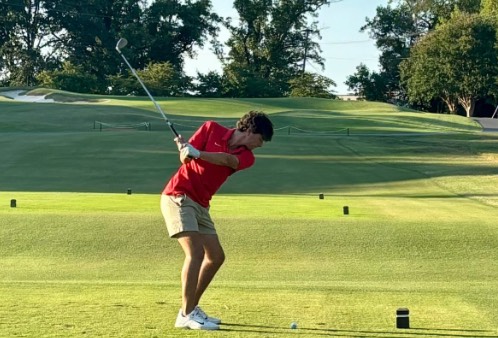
[(494, 114)]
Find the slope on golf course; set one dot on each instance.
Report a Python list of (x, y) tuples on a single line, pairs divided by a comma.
[(80, 257)]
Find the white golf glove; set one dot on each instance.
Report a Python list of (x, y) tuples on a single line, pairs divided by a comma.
[(180, 143), (188, 150)]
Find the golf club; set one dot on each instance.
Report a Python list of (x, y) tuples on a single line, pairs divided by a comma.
[(121, 44)]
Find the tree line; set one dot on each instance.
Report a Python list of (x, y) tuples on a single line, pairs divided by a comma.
[(70, 45), (436, 55)]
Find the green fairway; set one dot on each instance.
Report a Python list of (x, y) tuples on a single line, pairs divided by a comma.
[(80, 257)]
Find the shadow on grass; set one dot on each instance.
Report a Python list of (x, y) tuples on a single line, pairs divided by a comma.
[(267, 329)]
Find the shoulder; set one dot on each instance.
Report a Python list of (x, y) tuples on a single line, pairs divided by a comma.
[(208, 132), (213, 125), (214, 128)]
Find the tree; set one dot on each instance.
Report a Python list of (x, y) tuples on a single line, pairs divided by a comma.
[(70, 77), (161, 79), (88, 31), (311, 85), (173, 28), (211, 84), (7, 25), (25, 32), (395, 32), (490, 7), (397, 27), (368, 85), (269, 46), (423, 77), (85, 33), (458, 62), (428, 13)]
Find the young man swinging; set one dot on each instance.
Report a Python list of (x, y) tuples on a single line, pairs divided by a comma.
[(211, 155)]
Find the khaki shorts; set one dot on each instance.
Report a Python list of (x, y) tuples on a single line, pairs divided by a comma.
[(183, 214)]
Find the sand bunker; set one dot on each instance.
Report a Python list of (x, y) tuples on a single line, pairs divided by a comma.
[(18, 96)]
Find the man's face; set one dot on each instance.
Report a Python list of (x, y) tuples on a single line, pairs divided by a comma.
[(253, 141)]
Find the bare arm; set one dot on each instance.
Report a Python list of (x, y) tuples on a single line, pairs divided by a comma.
[(225, 159), (218, 158)]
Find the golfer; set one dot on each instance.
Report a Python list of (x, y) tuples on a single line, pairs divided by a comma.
[(212, 154)]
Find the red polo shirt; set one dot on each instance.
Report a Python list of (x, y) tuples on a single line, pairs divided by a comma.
[(199, 179)]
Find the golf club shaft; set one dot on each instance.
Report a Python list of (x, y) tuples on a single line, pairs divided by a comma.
[(150, 96)]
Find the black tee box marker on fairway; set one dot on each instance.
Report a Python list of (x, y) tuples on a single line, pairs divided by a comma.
[(128, 191), (402, 318), (345, 210), (13, 203), (321, 196)]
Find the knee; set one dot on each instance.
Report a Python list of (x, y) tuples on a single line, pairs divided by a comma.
[(195, 255), (216, 258), (221, 258)]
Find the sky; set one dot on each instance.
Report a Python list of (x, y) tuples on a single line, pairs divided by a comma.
[(343, 46)]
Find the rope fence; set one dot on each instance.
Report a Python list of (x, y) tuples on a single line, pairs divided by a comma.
[(294, 130), (192, 126), (103, 126)]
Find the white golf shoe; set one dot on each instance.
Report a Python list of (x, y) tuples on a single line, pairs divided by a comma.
[(206, 317), (194, 321)]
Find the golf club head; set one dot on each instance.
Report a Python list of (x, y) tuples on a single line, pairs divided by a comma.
[(121, 44)]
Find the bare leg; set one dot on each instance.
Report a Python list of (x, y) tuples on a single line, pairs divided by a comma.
[(192, 245), (213, 259)]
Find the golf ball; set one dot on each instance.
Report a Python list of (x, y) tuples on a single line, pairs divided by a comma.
[(293, 325)]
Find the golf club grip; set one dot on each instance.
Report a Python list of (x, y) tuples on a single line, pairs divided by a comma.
[(173, 129)]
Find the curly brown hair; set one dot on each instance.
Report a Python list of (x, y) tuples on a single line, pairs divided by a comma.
[(258, 123)]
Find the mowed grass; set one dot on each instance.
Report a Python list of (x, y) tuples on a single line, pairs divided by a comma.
[(81, 258), (72, 267)]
